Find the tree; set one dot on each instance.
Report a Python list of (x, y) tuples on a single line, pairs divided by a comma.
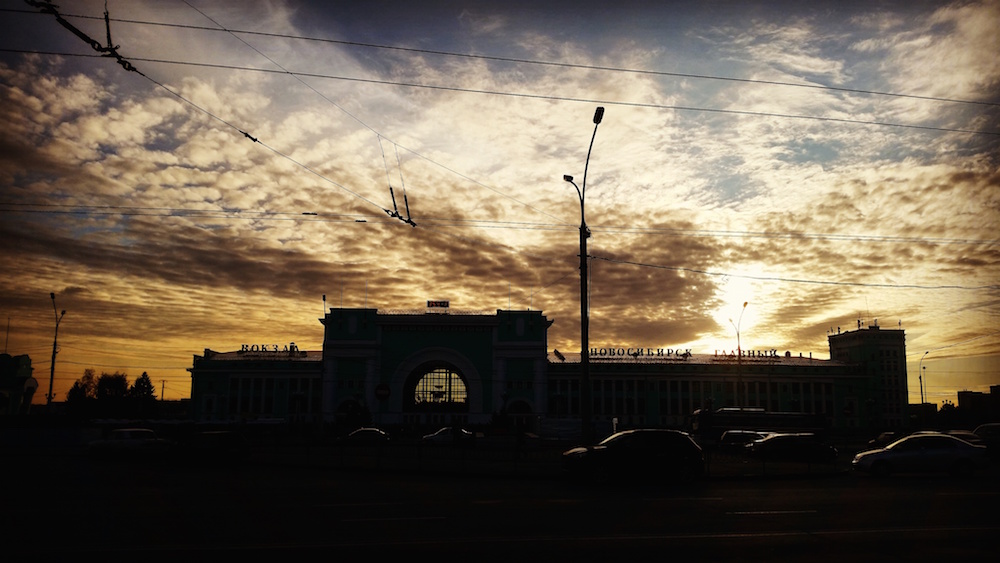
[(112, 395), (83, 388), (142, 389), (142, 397), (81, 396), (112, 386)]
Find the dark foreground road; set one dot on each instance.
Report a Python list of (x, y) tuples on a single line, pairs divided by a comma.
[(68, 507)]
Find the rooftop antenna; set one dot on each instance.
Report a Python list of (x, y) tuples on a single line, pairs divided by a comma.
[(324, 303)]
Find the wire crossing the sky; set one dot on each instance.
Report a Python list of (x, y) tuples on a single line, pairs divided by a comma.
[(112, 51)]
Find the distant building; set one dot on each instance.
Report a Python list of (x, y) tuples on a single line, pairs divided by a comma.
[(17, 386), (881, 355), (978, 407), (257, 382), (664, 387), (438, 367)]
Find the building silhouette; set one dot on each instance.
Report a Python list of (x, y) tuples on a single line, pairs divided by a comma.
[(431, 368)]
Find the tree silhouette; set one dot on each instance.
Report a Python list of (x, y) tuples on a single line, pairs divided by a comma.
[(112, 392), (83, 388), (142, 389), (142, 397), (112, 386), (80, 397)]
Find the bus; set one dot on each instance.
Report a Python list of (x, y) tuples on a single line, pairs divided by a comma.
[(709, 425)]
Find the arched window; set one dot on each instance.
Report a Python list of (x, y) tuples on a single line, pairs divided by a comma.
[(440, 386)]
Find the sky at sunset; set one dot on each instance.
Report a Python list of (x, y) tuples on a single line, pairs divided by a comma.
[(828, 163)]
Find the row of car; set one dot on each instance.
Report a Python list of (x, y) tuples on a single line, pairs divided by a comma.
[(666, 455), (370, 436)]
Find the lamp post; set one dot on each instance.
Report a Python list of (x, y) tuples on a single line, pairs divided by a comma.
[(55, 340), (920, 376), (739, 355), (587, 432)]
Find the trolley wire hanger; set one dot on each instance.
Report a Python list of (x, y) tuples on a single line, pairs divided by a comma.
[(395, 208), (111, 50)]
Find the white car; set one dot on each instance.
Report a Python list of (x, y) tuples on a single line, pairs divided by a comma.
[(449, 435), (924, 452)]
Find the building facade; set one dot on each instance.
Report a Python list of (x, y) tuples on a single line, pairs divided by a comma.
[(426, 369), (257, 382), (417, 369), (881, 356), (17, 385)]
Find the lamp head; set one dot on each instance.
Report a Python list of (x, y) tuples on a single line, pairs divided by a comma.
[(598, 115), (567, 177), (52, 296)]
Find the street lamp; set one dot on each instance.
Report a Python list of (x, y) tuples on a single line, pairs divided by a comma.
[(55, 340), (920, 376), (739, 354), (587, 432)]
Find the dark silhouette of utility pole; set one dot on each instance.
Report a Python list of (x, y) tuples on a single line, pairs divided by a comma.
[(55, 344)]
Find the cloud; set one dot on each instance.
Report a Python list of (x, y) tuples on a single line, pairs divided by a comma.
[(153, 214)]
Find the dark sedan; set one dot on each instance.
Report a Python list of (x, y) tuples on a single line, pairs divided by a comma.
[(797, 447), (923, 452), (367, 437), (645, 454)]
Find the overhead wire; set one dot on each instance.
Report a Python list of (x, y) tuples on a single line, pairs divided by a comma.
[(991, 287), (395, 213), (553, 97), (242, 214), (561, 64), (48, 8)]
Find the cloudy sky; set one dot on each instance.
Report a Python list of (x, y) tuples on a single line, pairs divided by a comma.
[(827, 163)]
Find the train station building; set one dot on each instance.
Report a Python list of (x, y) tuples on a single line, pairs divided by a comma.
[(438, 367)]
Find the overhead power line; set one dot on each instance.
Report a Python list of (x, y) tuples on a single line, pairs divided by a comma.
[(265, 215), (795, 280), (561, 64), (49, 8), (549, 97)]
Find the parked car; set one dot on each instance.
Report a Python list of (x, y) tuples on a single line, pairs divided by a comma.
[(884, 439), (130, 443), (367, 437), (967, 435), (923, 452), (646, 454), (449, 435), (989, 433), (801, 447), (735, 441)]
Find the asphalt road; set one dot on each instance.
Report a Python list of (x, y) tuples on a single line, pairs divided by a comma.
[(68, 506)]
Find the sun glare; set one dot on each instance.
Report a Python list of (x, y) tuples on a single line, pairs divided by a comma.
[(736, 313)]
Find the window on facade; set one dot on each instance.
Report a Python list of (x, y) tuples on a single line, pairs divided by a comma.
[(440, 385)]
